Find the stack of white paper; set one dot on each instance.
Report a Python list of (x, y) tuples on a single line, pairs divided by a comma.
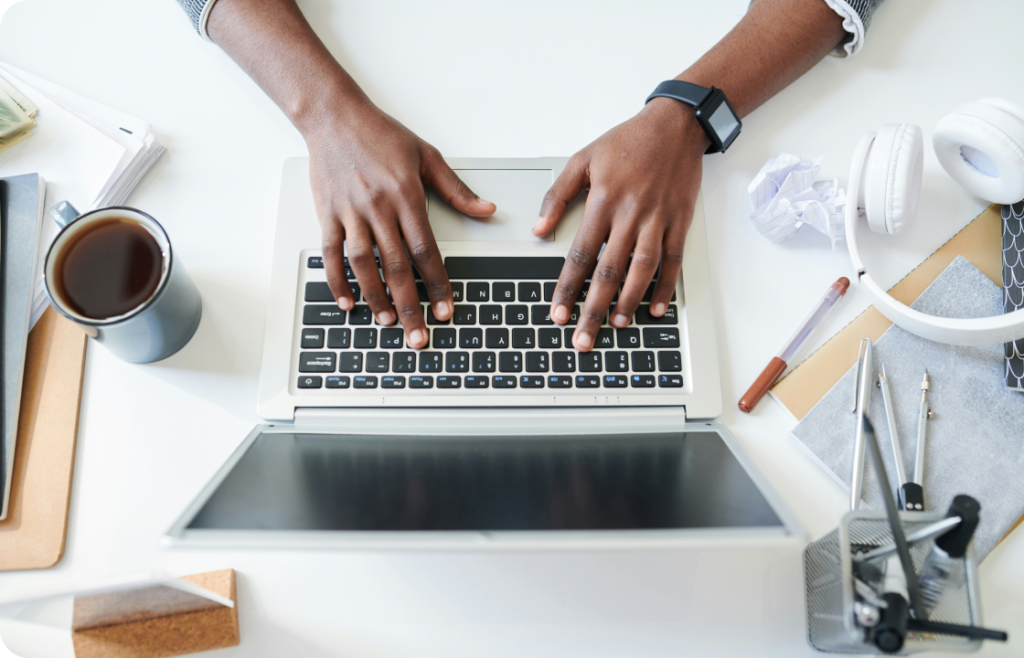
[(89, 154)]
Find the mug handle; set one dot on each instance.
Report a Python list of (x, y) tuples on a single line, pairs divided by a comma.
[(63, 213)]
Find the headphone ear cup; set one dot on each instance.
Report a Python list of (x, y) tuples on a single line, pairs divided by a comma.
[(892, 179), (981, 147)]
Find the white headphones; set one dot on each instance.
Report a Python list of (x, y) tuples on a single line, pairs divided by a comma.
[(981, 146)]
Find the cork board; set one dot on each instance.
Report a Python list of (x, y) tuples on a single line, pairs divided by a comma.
[(199, 628), (32, 536)]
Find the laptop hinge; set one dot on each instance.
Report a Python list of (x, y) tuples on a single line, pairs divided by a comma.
[(496, 421)]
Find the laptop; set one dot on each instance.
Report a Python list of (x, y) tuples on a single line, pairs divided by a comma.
[(498, 433)]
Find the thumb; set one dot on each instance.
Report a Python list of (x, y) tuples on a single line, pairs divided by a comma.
[(438, 175), (567, 187)]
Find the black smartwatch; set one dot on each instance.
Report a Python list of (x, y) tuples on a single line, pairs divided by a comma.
[(714, 113)]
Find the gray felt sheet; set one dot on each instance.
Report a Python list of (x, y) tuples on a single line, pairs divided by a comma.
[(975, 438)]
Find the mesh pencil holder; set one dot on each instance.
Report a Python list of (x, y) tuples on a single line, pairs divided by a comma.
[(830, 590)]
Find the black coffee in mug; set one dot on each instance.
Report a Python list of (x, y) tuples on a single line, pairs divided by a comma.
[(109, 268)]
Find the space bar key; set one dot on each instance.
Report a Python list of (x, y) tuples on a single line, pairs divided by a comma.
[(503, 267)]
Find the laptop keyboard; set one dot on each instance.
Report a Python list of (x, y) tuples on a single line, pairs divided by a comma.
[(500, 338)]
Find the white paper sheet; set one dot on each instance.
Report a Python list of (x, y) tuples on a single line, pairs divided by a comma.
[(786, 197)]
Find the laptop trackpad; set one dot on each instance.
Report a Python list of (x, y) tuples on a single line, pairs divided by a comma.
[(517, 193)]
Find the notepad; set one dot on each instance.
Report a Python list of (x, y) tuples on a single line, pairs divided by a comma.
[(975, 440)]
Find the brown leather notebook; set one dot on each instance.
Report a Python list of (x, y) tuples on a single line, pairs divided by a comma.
[(32, 536)]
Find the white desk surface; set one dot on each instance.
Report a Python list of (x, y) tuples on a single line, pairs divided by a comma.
[(524, 78)]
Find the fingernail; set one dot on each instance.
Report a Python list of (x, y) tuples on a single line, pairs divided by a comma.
[(658, 310), (386, 318), (484, 201), (345, 304), (441, 310), (583, 341), (620, 320), (537, 225), (419, 337), (561, 314)]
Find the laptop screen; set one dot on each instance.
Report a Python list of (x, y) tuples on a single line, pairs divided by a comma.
[(374, 483)]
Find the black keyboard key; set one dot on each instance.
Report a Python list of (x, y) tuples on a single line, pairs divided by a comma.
[(392, 381), (524, 339), (312, 339), (317, 291), (478, 291), (627, 338), (503, 291), (377, 361), (456, 362), (449, 381), (614, 381), (432, 319), (339, 339), (510, 362), (315, 262), (457, 292), (642, 381), (616, 362), (391, 339), (587, 381), (549, 339), (350, 362), (643, 315), (366, 339), (574, 316), (496, 338), (536, 362), (643, 362), (431, 361), (559, 381), (421, 381), (540, 314), (661, 337), (503, 381), (670, 361), (563, 362), (490, 314), (483, 361), (338, 381), (670, 381), (403, 362), (605, 338), (355, 290), (444, 339), (360, 314), (569, 331), (590, 362), (421, 290), (529, 292), (323, 314), (477, 381), (310, 381), (365, 381), (465, 314), (531, 381), (549, 290), (584, 291), (517, 314), (650, 293), (471, 338), (316, 361), (503, 267)]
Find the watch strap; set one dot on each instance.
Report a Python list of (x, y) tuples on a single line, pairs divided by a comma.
[(686, 92)]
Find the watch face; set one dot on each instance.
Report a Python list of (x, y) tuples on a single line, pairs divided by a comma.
[(724, 122)]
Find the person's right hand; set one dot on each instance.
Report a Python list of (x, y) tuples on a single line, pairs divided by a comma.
[(368, 174)]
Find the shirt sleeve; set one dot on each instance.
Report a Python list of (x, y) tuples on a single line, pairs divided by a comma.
[(198, 12), (856, 18)]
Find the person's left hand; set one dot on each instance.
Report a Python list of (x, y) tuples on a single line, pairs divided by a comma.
[(643, 176)]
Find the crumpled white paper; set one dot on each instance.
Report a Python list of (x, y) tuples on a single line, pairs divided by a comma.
[(785, 196)]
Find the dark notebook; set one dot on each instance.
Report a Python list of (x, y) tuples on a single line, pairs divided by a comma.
[(21, 220), (1013, 287)]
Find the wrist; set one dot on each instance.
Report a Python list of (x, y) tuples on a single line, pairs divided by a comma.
[(319, 109), (676, 119)]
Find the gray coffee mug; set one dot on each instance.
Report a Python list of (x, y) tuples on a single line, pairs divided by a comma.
[(156, 328)]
